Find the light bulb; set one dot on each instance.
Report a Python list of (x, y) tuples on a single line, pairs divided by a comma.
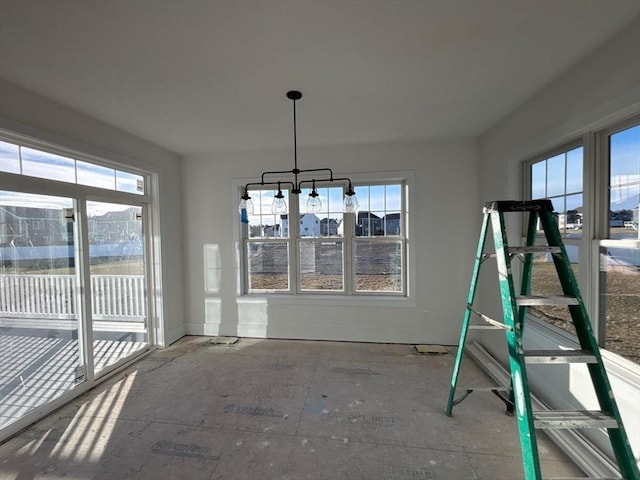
[(279, 206), (351, 204), (246, 205), (249, 207), (314, 204)]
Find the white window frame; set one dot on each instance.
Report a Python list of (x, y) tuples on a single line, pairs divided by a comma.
[(383, 239), (294, 239), (46, 147), (595, 225), (149, 201), (602, 224)]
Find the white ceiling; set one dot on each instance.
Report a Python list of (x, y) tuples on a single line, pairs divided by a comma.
[(204, 76)]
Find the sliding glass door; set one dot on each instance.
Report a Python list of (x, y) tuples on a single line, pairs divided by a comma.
[(118, 281), (40, 355), (74, 266)]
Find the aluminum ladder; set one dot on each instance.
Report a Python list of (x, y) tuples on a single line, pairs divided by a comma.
[(514, 308)]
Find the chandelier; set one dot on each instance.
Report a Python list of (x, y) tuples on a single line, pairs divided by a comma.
[(292, 179)]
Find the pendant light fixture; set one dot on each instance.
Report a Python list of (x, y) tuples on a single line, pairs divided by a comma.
[(314, 204)]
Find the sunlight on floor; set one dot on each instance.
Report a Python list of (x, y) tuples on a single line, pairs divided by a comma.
[(89, 432)]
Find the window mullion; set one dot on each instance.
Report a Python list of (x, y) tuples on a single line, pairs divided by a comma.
[(244, 235), (294, 243), (348, 260), (589, 270)]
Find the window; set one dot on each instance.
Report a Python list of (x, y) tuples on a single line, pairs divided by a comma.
[(606, 260), (268, 245), (76, 297), (38, 163), (328, 251), (558, 177), (321, 248), (379, 244), (624, 183), (9, 158), (619, 281)]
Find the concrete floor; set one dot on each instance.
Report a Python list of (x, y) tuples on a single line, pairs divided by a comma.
[(277, 409)]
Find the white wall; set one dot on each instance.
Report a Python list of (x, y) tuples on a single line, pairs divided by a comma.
[(29, 114), (599, 90), (444, 199)]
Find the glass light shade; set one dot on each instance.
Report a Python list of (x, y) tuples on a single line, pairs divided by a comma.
[(247, 205), (314, 204), (351, 204), (279, 206)]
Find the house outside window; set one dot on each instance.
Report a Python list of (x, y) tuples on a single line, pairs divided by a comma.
[(328, 251)]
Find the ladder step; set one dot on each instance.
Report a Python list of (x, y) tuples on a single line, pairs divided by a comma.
[(485, 327), (489, 320), (559, 356), (543, 205), (485, 389), (525, 249), (534, 249), (536, 300), (573, 419)]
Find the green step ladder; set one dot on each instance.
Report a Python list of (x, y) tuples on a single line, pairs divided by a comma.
[(514, 308)]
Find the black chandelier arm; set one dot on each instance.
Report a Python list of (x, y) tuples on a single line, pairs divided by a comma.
[(320, 180), (343, 179), (350, 189), (296, 172), (261, 184), (309, 170), (283, 172)]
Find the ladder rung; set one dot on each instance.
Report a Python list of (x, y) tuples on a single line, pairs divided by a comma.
[(573, 419), (489, 320), (525, 249), (536, 300), (485, 327), (485, 389), (559, 356), (534, 249)]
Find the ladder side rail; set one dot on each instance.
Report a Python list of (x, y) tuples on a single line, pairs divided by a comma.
[(617, 436), (524, 415), (467, 313)]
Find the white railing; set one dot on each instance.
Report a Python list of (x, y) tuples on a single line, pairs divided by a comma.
[(117, 296), (38, 295), (114, 297)]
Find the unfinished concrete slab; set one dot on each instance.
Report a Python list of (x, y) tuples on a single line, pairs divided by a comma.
[(278, 409)]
